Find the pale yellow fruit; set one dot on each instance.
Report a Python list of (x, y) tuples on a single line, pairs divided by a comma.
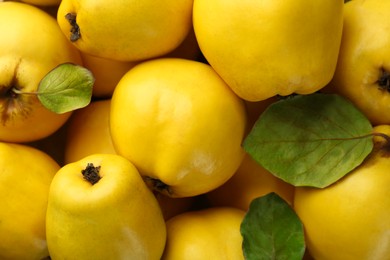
[(106, 72), (212, 233), (249, 182), (180, 124), (267, 48), (117, 217), (24, 187), (363, 70), (349, 220), (126, 30), (88, 132), (33, 46)]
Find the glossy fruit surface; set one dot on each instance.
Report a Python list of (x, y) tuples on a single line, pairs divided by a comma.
[(180, 124), (267, 48), (212, 233), (363, 69), (107, 74), (28, 52), (249, 182), (116, 217), (349, 219), (126, 30), (24, 187), (88, 132)]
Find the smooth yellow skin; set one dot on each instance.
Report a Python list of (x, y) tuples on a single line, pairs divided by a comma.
[(24, 187), (107, 73), (363, 55), (267, 48), (128, 30), (249, 182), (27, 53), (116, 218), (349, 220), (212, 233), (178, 122), (88, 132)]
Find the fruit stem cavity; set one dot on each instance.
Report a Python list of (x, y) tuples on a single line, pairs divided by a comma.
[(384, 80), (385, 146), (91, 173), (75, 29), (158, 185)]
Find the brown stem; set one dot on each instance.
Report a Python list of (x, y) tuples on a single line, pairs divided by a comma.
[(384, 146), (91, 173), (384, 136), (75, 29)]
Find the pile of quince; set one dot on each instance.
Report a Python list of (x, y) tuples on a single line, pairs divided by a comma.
[(122, 126)]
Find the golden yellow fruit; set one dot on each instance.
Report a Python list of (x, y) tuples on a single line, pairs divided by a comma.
[(126, 30), (212, 233), (53, 145), (188, 49), (363, 72), (33, 46), (42, 3), (100, 208), (88, 132), (171, 207), (267, 48), (255, 109), (349, 220), (107, 73), (180, 124), (24, 187), (249, 182)]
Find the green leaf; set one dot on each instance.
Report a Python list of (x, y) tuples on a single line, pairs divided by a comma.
[(272, 230), (310, 140), (65, 88)]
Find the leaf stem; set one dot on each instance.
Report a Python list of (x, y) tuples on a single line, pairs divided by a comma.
[(20, 92), (384, 136)]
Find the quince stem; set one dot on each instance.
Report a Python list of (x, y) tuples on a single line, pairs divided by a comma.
[(383, 145), (75, 29), (91, 173)]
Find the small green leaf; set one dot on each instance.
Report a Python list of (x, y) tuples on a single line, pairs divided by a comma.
[(65, 88), (310, 140), (272, 230)]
